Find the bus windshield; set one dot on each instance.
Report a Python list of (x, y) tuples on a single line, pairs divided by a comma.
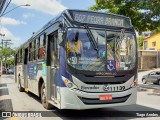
[(116, 50)]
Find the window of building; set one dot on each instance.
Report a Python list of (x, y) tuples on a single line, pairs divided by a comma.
[(145, 45), (153, 44)]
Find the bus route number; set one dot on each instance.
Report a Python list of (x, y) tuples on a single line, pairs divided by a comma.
[(73, 60)]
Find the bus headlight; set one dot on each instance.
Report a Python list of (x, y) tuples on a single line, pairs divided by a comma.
[(69, 84), (134, 83)]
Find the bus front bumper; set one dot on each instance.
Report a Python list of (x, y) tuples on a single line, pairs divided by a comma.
[(83, 100)]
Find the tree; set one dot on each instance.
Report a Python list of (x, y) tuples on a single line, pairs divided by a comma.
[(5, 54), (140, 42), (157, 30), (144, 14)]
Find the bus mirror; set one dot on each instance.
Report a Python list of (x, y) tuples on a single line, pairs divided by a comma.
[(61, 25), (61, 38)]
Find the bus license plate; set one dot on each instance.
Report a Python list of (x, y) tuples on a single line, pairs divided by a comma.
[(105, 97)]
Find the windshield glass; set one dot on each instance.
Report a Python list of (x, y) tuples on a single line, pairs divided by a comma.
[(116, 50)]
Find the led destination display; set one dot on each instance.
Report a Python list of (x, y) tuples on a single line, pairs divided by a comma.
[(101, 19)]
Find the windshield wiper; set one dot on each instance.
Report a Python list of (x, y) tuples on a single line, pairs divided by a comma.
[(92, 39)]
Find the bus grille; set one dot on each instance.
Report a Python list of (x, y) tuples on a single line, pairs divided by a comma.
[(93, 101)]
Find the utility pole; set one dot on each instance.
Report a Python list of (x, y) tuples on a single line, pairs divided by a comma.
[(6, 42)]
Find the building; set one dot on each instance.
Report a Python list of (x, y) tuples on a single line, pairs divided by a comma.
[(152, 42)]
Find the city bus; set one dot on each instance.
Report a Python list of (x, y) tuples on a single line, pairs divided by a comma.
[(80, 60)]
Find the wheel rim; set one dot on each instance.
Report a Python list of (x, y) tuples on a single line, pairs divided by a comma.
[(43, 96), (144, 81)]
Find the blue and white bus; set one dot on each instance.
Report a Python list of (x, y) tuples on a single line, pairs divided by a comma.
[(80, 60)]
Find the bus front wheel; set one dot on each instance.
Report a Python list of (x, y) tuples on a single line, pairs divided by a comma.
[(44, 97)]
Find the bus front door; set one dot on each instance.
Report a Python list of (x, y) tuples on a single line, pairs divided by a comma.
[(54, 67), (25, 68)]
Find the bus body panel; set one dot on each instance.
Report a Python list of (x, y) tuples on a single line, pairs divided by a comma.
[(38, 74), (73, 99), (69, 99)]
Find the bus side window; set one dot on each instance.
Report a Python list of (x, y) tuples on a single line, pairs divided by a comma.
[(16, 57), (20, 56), (41, 49), (30, 52), (34, 50)]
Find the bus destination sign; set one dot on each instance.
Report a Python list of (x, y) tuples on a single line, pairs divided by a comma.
[(101, 19)]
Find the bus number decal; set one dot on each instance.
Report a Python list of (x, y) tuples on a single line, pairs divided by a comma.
[(116, 88), (74, 60)]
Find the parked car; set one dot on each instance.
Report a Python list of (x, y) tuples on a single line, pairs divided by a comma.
[(152, 77), (10, 71), (3, 71)]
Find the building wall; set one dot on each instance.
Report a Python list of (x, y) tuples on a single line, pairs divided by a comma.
[(148, 59), (150, 41)]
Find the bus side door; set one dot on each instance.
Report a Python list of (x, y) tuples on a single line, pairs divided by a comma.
[(54, 65)]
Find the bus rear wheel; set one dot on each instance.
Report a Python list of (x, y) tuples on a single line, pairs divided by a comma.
[(44, 98)]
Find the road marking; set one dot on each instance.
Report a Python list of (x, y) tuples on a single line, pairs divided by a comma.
[(14, 118), (4, 97)]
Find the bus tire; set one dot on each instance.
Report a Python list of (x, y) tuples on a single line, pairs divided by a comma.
[(21, 89), (45, 104)]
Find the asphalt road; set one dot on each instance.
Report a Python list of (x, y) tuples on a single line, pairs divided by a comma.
[(13, 100)]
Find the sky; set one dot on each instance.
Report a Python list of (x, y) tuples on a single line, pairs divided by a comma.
[(19, 25)]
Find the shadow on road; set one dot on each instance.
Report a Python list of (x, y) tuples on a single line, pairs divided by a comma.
[(34, 96), (125, 112)]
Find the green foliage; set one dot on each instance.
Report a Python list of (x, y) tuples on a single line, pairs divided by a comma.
[(11, 61), (144, 14), (156, 31), (140, 42), (6, 55)]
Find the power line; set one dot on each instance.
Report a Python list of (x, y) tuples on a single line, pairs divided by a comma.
[(6, 7)]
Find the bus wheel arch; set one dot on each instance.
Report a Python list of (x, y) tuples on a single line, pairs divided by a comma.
[(43, 97), (41, 81)]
